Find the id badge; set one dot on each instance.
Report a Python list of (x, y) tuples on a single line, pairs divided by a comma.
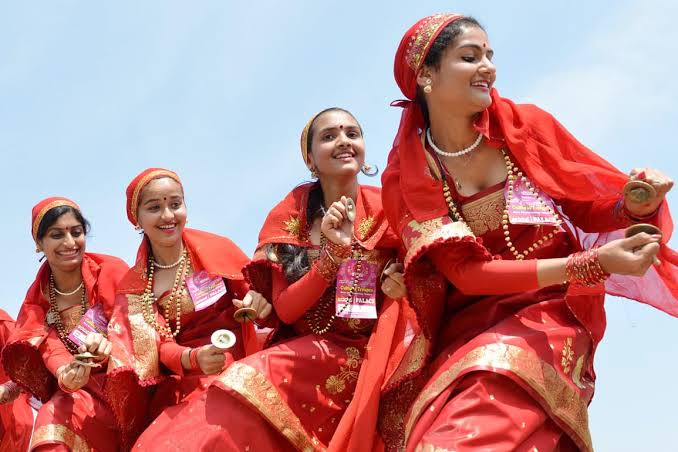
[(363, 303), (94, 321), (526, 207), (205, 290)]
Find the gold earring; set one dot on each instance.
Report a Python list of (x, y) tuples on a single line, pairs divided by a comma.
[(428, 88), (314, 173), (137, 228)]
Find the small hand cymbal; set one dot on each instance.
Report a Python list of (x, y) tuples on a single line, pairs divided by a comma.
[(223, 339), (642, 227), (639, 191), (245, 315)]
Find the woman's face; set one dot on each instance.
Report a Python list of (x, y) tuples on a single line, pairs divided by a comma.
[(162, 212), (337, 148), (64, 243), (466, 74)]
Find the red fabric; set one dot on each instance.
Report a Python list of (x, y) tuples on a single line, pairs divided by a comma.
[(554, 161), (31, 344), (299, 368), (16, 418), (137, 185), (40, 209), (219, 257)]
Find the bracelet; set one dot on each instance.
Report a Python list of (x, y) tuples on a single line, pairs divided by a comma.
[(60, 383), (193, 359), (583, 269), (326, 266), (340, 251)]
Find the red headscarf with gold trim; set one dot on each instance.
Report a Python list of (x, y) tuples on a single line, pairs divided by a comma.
[(40, 210), (137, 185)]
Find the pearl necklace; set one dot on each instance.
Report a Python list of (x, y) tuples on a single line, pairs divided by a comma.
[(513, 174), (68, 294), (54, 318), (453, 154), (172, 265), (148, 298)]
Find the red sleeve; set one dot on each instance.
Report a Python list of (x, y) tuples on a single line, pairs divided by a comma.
[(170, 355), (472, 277), (54, 353), (597, 216), (291, 301)]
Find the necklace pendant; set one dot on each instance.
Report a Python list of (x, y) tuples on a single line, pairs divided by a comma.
[(52, 318)]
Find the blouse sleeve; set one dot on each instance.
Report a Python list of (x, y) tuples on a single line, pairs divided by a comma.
[(54, 353), (291, 301), (471, 277)]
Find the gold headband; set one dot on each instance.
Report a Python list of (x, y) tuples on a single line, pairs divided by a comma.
[(305, 138), (134, 204)]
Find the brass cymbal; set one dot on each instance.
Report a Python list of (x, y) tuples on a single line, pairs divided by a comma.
[(245, 315), (641, 227), (639, 191), (223, 339)]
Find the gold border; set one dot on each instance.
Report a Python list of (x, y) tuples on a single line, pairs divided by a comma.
[(562, 400), (432, 230), (58, 432), (146, 356), (257, 390), (47, 208), (142, 183)]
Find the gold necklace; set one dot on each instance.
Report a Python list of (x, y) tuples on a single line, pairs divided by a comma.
[(513, 174), (54, 318), (315, 316), (148, 298)]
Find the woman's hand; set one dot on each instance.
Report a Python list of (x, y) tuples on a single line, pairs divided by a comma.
[(632, 256), (98, 345), (256, 301), (393, 283), (73, 376), (659, 181), (336, 225), (211, 359)]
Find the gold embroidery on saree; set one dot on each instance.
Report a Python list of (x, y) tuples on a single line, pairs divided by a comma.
[(413, 360), (143, 340), (293, 226), (423, 234), (60, 433), (485, 214), (567, 356), (186, 305), (366, 225), (336, 384), (257, 390), (562, 400)]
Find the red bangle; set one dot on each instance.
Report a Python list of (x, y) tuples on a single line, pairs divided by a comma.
[(583, 269), (340, 251), (326, 266), (193, 359)]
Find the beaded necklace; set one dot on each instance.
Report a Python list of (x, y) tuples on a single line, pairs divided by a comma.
[(513, 174), (54, 318), (148, 298), (315, 317)]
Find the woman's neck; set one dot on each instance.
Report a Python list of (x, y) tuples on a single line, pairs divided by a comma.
[(66, 281), (452, 132), (166, 255), (335, 188)]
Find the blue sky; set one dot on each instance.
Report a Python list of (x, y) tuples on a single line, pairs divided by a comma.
[(92, 92)]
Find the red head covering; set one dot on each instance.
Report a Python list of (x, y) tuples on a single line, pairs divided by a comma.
[(40, 210), (137, 185)]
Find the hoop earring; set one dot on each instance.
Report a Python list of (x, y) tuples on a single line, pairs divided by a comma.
[(369, 170)]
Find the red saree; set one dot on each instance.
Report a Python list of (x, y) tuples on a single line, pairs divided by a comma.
[(141, 359), (512, 365), (81, 420), (16, 418), (306, 391)]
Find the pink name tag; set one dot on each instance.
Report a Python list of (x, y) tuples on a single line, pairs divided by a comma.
[(525, 206), (94, 321), (205, 291), (363, 302)]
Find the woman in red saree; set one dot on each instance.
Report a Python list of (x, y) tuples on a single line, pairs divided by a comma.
[(318, 383), (16, 417), (161, 325), (39, 356), (495, 202)]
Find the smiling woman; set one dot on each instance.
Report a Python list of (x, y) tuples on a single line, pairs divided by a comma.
[(183, 286), (41, 359)]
